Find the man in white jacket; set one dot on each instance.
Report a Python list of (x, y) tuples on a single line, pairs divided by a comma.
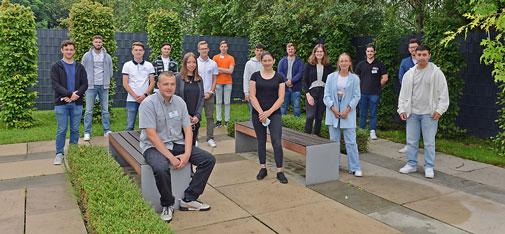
[(252, 66), (424, 98)]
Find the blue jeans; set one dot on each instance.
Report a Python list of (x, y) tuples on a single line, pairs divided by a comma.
[(417, 125), (63, 113), (368, 102), (103, 97), (132, 109), (226, 90), (350, 146), (293, 97)]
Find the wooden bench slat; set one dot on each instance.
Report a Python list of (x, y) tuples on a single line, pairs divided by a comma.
[(134, 142), (126, 150)]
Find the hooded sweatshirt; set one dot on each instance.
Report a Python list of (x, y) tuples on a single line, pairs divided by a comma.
[(252, 66)]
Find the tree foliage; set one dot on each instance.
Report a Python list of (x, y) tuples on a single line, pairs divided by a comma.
[(164, 26), (18, 64)]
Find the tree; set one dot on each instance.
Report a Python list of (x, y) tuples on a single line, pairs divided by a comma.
[(164, 26)]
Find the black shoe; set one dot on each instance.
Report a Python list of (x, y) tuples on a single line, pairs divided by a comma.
[(282, 178), (218, 124), (261, 174)]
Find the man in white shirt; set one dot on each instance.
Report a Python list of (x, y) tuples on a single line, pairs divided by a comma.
[(207, 69), (252, 66), (138, 81)]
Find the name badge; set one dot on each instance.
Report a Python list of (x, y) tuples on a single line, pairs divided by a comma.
[(173, 114), (374, 71)]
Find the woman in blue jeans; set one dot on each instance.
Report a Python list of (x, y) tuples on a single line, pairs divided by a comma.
[(341, 96)]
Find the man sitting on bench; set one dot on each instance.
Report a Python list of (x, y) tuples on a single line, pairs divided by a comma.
[(162, 117)]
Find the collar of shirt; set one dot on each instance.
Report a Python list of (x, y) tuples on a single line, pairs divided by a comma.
[(141, 63), (162, 100)]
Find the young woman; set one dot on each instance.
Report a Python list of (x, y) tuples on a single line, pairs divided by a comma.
[(266, 94), (341, 96), (314, 79), (190, 88)]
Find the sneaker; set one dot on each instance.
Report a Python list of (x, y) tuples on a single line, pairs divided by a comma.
[(167, 213), (58, 159), (87, 136), (193, 206), (408, 169), (196, 143), (106, 134), (429, 173), (403, 150), (358, 173), (218, 124), (212, 143), (372, 135), (282, 178), (261, 174)]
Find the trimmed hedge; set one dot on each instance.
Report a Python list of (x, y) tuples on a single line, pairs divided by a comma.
[(164, 26), (109, 200), (298, 124)]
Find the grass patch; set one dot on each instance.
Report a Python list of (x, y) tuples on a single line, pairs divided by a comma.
[(109, 200)]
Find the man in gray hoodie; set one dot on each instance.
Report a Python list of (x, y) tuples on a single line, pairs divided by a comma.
[(252, 66), (424, 98), (98, 65)]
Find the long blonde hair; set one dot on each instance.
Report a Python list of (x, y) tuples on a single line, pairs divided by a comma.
[(184, 70)]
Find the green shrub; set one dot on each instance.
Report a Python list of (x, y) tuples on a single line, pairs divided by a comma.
[(164, 26), (109, 200), (231, 126), (18, 64)]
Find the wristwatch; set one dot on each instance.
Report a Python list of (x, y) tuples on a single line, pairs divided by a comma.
[(145, 94)]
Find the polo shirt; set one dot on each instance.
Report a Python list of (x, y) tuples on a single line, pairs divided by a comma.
[(370, 76), (207, 69), (224, 62), (168, 118), (138, 76)]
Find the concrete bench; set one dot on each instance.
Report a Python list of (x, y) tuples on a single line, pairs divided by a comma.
[(125, 147), (321, 155)]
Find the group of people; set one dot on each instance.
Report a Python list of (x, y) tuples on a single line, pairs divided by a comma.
[(169, 117)]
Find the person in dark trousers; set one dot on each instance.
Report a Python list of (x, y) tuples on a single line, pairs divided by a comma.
[(165, 140), (190, 89), (266, 94), (314, 78), (373, 76), (69, 81), (291, 69)]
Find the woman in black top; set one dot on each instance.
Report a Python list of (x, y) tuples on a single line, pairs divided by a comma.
[(190, 88), (266, 94), (314, 79)]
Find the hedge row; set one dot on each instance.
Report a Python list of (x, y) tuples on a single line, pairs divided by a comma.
[(109, 200)]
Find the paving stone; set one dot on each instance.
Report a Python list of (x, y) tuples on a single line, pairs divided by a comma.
[(99, 141), (13, 149), (453, 165), (409, 221), (13, 225), (42, 146), (246, 225), (48, 199), (65, 221), (222, 209), (235, 173), (223, 147), (224, 158), (353, 197), (468, 212), (28, 168), (12, 201), (36, 181), (269, 195), (322, 217), (486, 191), (488, 176)]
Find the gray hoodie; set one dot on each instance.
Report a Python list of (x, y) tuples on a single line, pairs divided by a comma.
[(87, 62), (252, 66)]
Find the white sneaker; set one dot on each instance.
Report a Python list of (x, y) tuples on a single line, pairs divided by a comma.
[(196, 143), (193, 206), (87, 136), (58, 159), (106, 134), (372, 135), (408, 169), (212, 143), (429, 173), (403, 150), (358, 173), (167, 213)]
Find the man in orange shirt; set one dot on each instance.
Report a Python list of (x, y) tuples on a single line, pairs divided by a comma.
[(225, 65)]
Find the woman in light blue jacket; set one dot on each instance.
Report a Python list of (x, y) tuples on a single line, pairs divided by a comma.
[(341, 96)]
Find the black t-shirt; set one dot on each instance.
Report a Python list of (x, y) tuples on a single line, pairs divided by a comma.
[(370, 76), (191, 95), (267, 91)]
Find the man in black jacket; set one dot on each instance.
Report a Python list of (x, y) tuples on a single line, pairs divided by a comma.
[(69, 83), (164, 62)]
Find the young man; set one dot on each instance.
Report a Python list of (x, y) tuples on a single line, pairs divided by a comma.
[(252, 66), (225, 64), (424, 98), (291, 68), (69, 83), (138, 81), (163, 143), (373, 76), (207, 69), (405, 65), (163, 62), (98, 64)]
